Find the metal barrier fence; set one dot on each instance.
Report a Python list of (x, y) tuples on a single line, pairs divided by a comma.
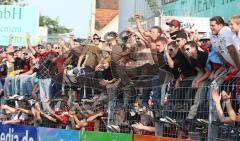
[(162, 110)]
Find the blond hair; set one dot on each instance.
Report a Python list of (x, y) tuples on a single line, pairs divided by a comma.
[(236, 18)]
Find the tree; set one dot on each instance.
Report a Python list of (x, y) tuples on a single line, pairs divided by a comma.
[(53, 25), (8, 2)]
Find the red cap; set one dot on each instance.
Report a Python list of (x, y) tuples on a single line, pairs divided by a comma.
[(174, 23)]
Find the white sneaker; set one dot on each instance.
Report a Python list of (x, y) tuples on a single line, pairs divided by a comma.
[(165, 120), (202, 121), (109, 127), (132, 113), (170, 119), (20, 97), (116, 128), (15, 96), (16, 104), (31, 101), (70, 72)]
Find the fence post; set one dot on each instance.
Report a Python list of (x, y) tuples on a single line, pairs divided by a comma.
[(213, 131), (110, 104)]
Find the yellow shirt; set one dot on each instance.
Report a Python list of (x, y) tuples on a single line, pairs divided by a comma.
[(10, 69)]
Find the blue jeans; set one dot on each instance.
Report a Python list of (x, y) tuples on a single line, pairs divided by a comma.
[(26, 85), (9, 86), (45, 89)]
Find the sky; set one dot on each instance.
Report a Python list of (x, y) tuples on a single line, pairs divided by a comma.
[(74, 14)]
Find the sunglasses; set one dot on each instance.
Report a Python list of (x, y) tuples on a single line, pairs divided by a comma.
[(178, 41), (96, 38), (187, 49)]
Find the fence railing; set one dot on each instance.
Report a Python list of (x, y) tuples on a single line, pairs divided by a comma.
[(162, 110)]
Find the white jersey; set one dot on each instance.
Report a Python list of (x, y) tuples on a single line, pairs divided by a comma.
[(221, 41), (236, 39)]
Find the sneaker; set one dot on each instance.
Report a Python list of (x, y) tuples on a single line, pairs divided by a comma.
[(70, 72), (13, 97), (31, 101), (20, 97), (81, 72), (116, 128), (164, 120), (202, 121), (170, 119), (109, 128), (132, 113), (75, 71), (16, 104)]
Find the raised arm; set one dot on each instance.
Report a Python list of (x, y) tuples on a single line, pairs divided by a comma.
[(28, 45), (146, 35), (230, 110), (140, 126), (71, 40), (78, 122), (62, 43), (48, 117), (25, 111), (217, 98), (139, 25), (92, 118), (49, 109)]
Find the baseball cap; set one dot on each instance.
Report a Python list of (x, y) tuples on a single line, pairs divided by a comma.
[(96, 35), (174, 23), (205, 36), (113, 34), (181, 35)]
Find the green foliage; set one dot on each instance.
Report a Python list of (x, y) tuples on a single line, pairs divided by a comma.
[(132, 20), (154, 7), (52, 25), (8, 2)]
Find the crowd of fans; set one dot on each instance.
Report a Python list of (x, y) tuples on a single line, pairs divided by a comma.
[(128, 78)]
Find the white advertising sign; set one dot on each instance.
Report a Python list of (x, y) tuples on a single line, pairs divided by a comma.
[(201, 24)]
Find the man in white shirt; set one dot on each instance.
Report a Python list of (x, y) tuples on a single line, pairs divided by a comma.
[(222, 39), (235, 27)]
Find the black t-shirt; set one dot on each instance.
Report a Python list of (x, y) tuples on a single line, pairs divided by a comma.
[(19, 64), (183, 66), (3, 69), (161, 61), (45, 66), (201, 60)]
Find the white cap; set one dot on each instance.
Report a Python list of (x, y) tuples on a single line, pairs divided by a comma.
[(205, 36)]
